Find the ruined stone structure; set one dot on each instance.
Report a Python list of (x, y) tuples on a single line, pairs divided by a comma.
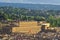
[(30, 27)]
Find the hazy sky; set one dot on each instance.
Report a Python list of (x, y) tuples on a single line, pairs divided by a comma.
[(57, 2)]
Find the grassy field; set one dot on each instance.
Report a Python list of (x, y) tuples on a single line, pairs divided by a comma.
[(30, 27)]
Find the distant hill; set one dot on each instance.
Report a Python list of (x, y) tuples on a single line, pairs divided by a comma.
[(32, 6)]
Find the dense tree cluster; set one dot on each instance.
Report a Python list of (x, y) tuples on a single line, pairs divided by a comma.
[(10, 13)]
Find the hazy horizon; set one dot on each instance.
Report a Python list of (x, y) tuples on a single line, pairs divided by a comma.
[(53, 2)]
